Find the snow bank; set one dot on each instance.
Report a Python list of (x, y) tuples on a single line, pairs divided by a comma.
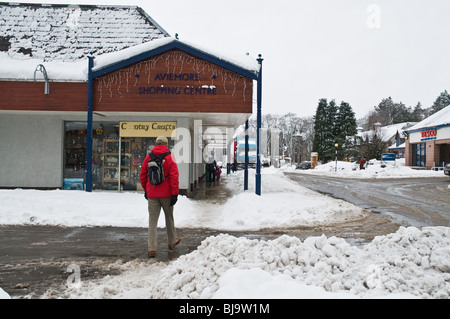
[(374, 170), (4, 295), (407, 264), (283, 204)]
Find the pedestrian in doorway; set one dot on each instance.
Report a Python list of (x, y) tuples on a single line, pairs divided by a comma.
[(362, 163), (211, 167), (164, 195)]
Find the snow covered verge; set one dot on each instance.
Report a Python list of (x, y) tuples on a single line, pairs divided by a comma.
[(410, 263), (373, 170)]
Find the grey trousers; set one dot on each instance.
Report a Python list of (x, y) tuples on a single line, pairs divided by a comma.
[(154, 209)]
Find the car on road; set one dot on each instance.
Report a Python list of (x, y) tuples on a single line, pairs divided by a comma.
[(304, 165), (447, 169)]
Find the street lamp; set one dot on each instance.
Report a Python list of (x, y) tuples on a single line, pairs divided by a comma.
[(336, 146)]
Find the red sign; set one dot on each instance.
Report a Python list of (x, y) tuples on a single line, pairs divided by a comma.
[(429, 133)]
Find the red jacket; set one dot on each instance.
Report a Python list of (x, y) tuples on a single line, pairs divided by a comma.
[(170, 186)]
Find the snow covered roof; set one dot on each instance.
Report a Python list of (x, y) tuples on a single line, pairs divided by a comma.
[(388, 132), (395, 147), (440, 118), (61, 37), (78, 70), (72, 32)]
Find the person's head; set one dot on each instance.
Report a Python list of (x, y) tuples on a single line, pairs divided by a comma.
[(162, 140)]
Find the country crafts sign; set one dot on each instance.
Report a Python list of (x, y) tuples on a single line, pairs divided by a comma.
[(147, 129)]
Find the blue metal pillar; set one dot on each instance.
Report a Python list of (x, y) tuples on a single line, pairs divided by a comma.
[(258, 131), (246, 157), (89, 126)]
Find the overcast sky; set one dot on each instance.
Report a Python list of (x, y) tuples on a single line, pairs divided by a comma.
[(358, 51)]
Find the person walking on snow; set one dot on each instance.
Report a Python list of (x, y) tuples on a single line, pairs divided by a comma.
[(362, 163), (211, 166), (164, 195)]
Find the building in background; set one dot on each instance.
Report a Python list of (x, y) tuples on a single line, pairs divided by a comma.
[(428, 142)]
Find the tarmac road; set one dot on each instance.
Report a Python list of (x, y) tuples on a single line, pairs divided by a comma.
[(34, 259), (412, 201)]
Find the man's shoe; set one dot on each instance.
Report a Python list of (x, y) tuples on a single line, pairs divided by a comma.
[(151, 254), (172, 246)]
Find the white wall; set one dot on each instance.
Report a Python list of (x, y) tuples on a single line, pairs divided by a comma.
[(31, 151)]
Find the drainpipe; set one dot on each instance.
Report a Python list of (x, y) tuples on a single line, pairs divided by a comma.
[(41, 68)]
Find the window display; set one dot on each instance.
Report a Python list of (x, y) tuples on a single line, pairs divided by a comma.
[(106, 163)]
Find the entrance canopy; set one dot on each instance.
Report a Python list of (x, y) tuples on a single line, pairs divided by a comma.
[(169, 76)]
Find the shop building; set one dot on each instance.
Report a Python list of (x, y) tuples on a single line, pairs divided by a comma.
[(110, 77), (428, 142)]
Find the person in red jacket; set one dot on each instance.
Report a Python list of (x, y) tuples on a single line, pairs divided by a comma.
[(164, 195)]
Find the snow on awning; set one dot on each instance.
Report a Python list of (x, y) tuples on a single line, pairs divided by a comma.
[(243, 65)]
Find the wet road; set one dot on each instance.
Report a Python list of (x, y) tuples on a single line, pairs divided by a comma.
[(415, 201)]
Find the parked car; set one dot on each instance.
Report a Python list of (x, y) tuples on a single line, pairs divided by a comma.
[(304, 165), (447, 170)]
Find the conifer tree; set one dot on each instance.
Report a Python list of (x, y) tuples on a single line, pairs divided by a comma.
[(320, 133), (345, 130), (442, 101)]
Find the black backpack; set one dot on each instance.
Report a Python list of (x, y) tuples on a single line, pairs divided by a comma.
[(211, 166), (155, 168)]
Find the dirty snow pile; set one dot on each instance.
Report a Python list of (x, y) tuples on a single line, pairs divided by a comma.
[(410, 263)]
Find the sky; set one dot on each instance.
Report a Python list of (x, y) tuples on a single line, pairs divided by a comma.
[(357, 51)]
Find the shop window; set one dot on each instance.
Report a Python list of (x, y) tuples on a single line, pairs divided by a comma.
[(419, 155), (105, 157)]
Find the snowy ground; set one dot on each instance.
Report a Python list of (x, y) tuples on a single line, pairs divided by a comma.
[(374, 169), (411, 263)]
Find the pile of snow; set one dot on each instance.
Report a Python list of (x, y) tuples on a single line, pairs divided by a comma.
[(4, 295), (284, 204), (374, 169), (407, 264)]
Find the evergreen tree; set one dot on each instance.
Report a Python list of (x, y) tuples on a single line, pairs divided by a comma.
[(441, 102), (346, 130), (385, 110), (401, 113), (418, 113), (321, 133), (346, 121), (373, 148), (326, 129)]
